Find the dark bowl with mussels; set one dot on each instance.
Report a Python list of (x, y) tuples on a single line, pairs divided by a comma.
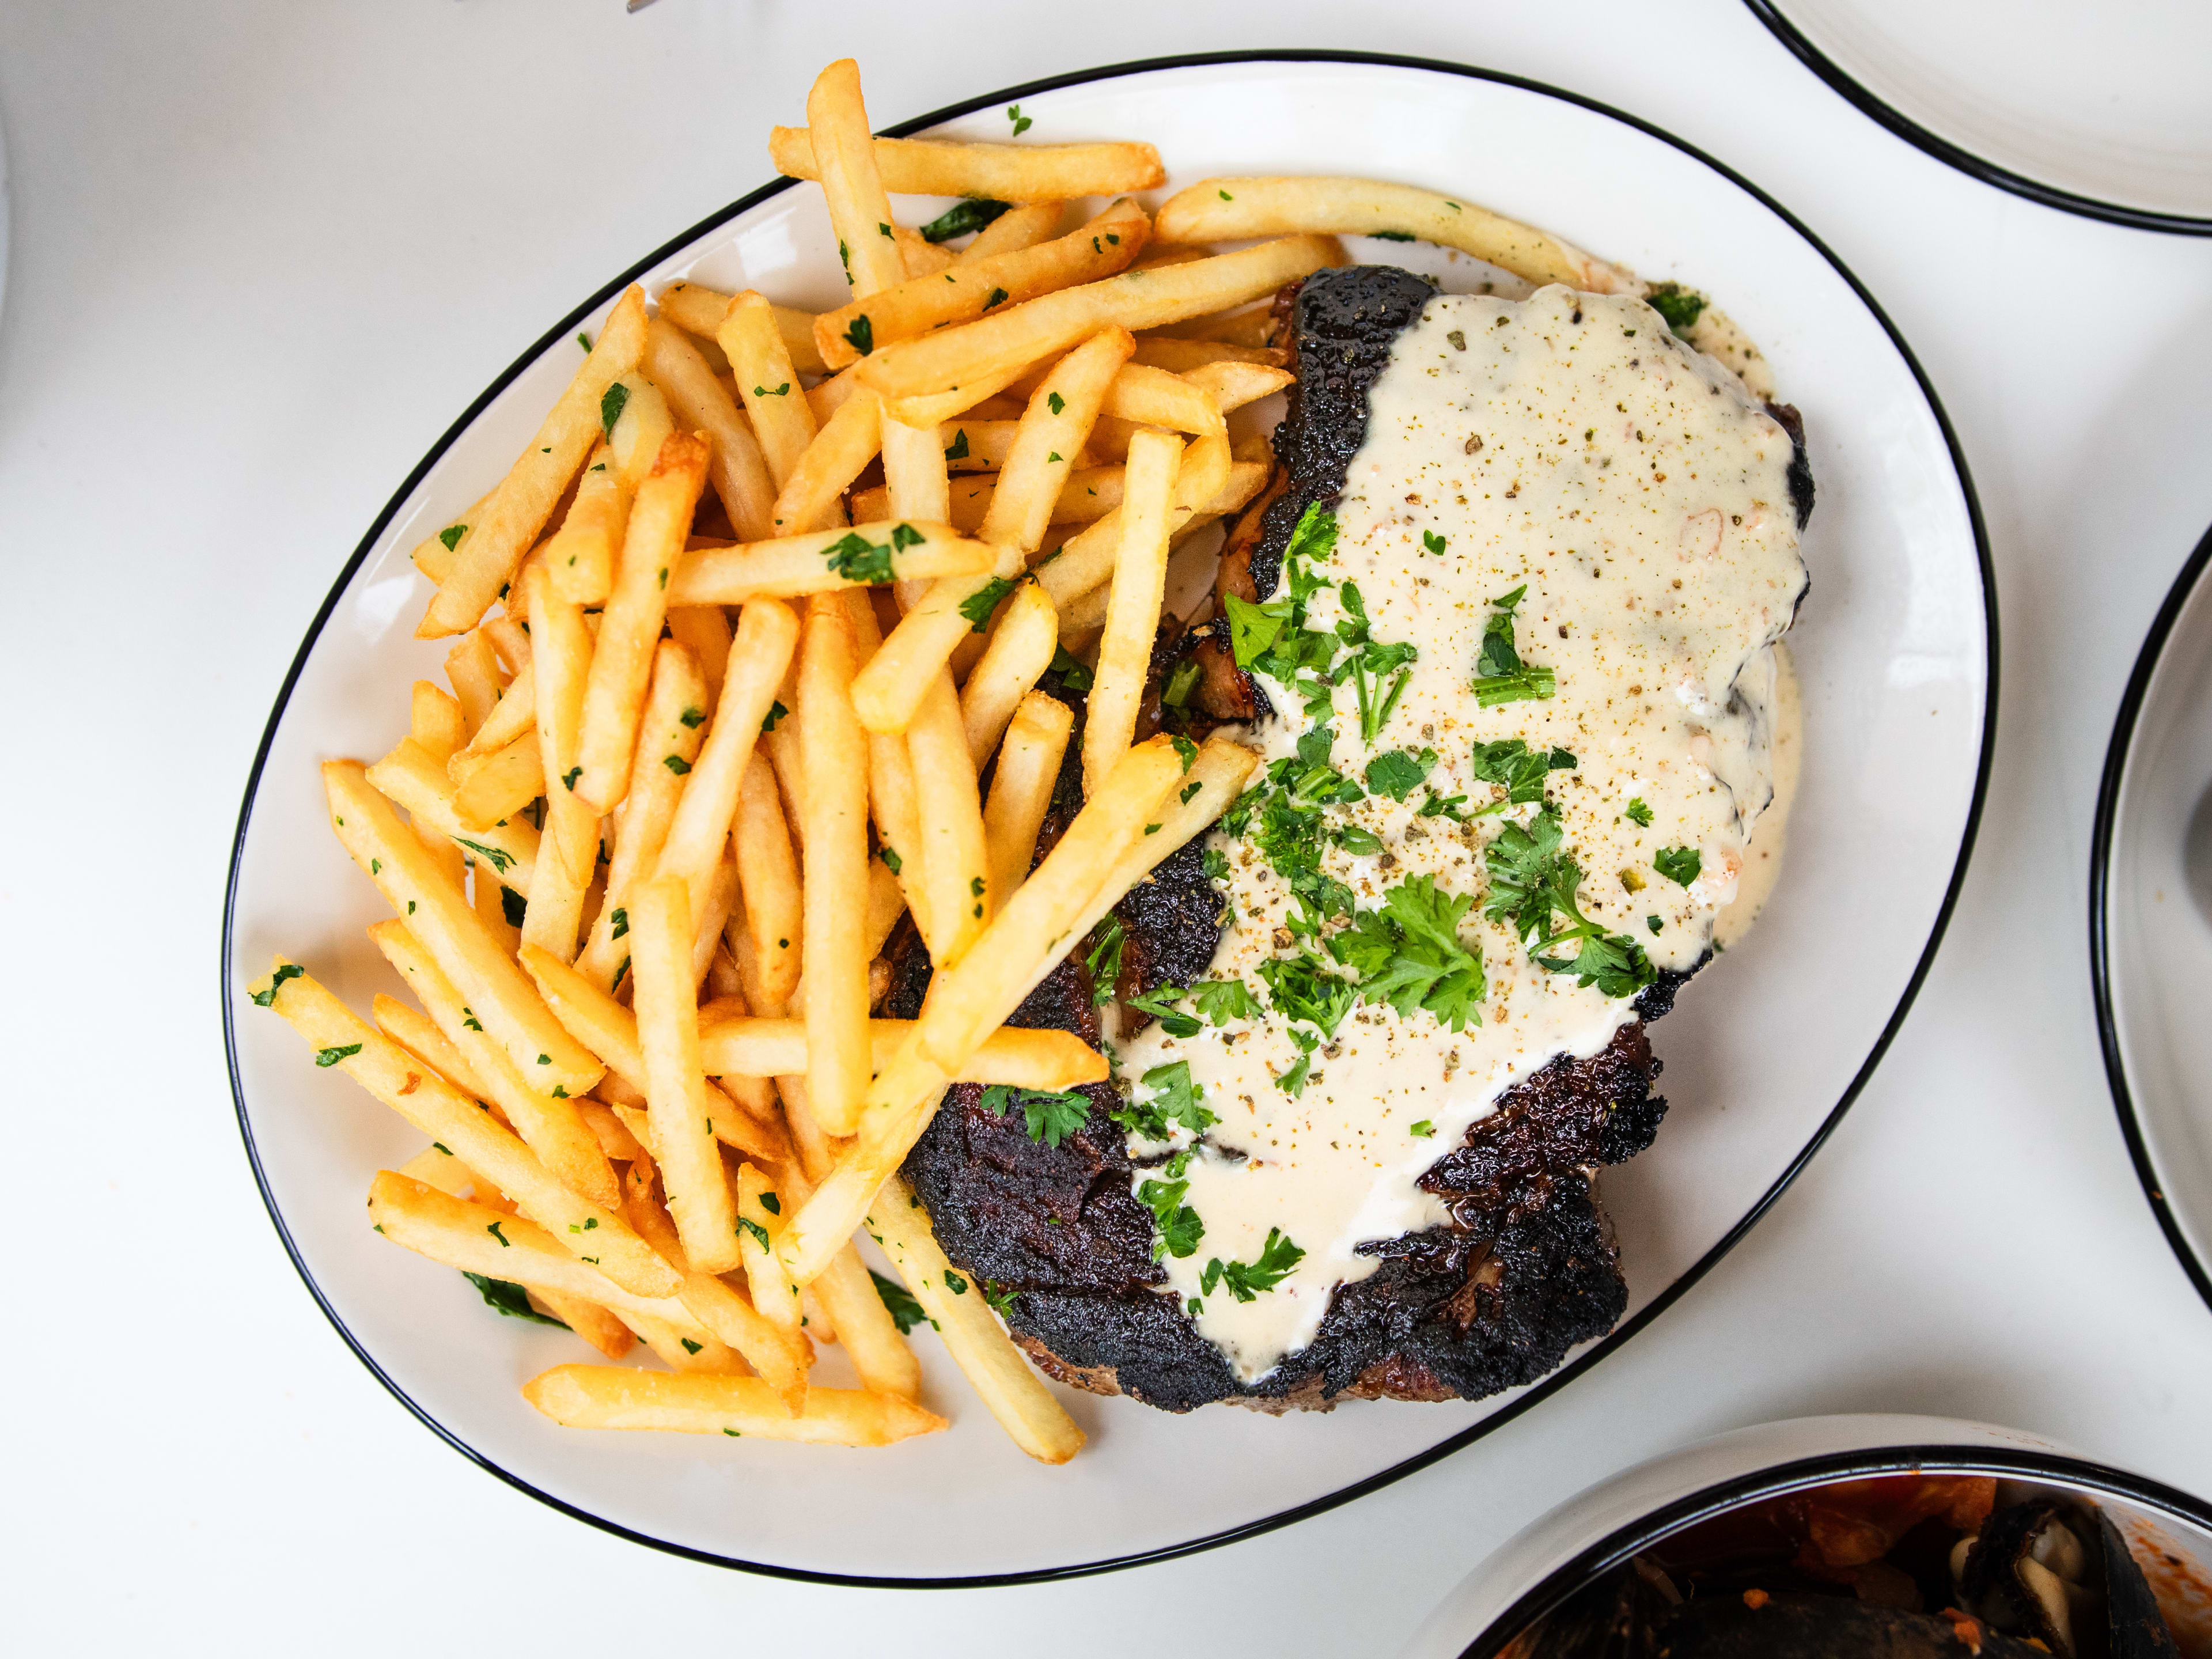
[(1824, 1538)]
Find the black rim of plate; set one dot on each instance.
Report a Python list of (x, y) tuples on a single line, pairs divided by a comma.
[(1542, 1390), (1974, 167), (2101, 873), (1618, 1545)]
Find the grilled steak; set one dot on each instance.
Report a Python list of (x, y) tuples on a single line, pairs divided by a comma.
[(1525, 1268)]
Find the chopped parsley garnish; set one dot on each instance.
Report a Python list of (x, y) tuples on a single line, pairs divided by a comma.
[(1180, 1227), (747, 1224), (1055, 402), (1293, 1082), (1654, 924), (676, 763), (1070, 670), (452, 534), (776, 712), (268, 998), (512, 906), (583, 340), (621, 920), (1301, 988), (1223, 1000), (1398, 772), (906, 1312), (1639, 812), (1432, 542), (892, 861), (771, 1203), (569, 777), (1000, 1296), (1408, 954), (332, 1056), (1679, 865), (504, 1295), (1531, 878), (1021, 121), (1518, 769), (763, 392), (962, 217), (1392, 235), (1680, 305), (1104, 961), (1174, 1100), (857, 559), (497, 857), (612, 404), (954, 1283), (996, 297), (1181, 683), (861, 335), (978, 606), (1160, 1005), (1424, 1129), (693, 718), (1245, 1281), (1500, 675), (505, 1243), (1050, 1118), (1186, 752), (958, 449)]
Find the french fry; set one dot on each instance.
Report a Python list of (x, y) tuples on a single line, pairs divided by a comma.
[(1132, 614), (773, 1294), (675, 714), (767, 635), (700, 311), (696, 399), (435, 721), (846, 442), (704, 631), (702, 1352), (472, 669), (844, 158), (1233, 385), (834, 837), (502, 784), (710, 915), (868, 323), (746, 1045), (974, 445), (1056, 425), (979, 1344), (588, 1320), (549, 1125), (1021, 792), (510, 639), (483, 1238), (444, 1113), (1021, 649), (435, 1167), (1017, 335), (512, 518), (434, 553), (417, 1032), (825, 560), (1086, 560), (511, 714), (486, 977), (412, 778), (1017, 227), (1001, 173), (955, 867), (780, 1357), (768, 873), (1218, 210), (1152, 397), (974, 996), (629, 629), (610, 1031), (675, 1086), (579, 556), (918, 255), (623, 1397), (783, 421), (1181, 357), (568, 852), (645, 423)]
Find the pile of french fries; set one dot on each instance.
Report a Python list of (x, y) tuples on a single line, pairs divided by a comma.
[(735, 639)]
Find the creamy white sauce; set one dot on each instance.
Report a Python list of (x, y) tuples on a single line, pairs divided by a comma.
[(1642, 499), (1762, 855)]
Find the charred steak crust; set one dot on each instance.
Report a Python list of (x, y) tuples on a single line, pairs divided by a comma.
[(1526, 1266)]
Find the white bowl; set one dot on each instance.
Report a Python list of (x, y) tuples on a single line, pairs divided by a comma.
[(1596, 1530), (1895, 653)]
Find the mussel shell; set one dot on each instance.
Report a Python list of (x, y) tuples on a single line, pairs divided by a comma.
[(1610, 1618), (1991, 1578), (1818, 1627), (2136, 1627)]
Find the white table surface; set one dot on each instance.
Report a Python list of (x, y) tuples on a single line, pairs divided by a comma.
[(265, 250)]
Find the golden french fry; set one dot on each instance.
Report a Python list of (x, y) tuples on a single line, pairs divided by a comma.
[(417, 1032), (436, 1168), (515, 512), (783, 421), (768, 873), (1021, 649), (986, 1355), (1054, 429), (746, 1045), (704, 1352), (1181, 357), (549, 1125), (975, 995), (472, 669), (444, 1113), (568, 852), (867, 323), (412, 779), (435, 721), (579, 556), (629, 629), (846, 442), (1218, 209), (501, 785), (1021, 791), (834, 839), (847, 1295), (671, 727), (645, 423), (513, 714), (696, 399), (1017, 227), (974, 445), (1233, 385), (624, 1397), (710, 915), (1132, 613), (675, 1086), (483, 1239), (703, 630), (700, 311), (436, 914), (824, 561), (1017, 335), (767, 634), (955, 867), (1086, 559), (918, 255), (845, 166), (773, 1294), (510, 639), (433, 556), (1002, 173), (1152, 397)]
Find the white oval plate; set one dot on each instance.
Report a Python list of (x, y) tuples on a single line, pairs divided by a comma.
[(2099, 110), (1895, 653), (1596, 1530), (2150, 945)]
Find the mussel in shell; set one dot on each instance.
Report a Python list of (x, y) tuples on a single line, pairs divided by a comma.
[(2061, 1574)]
